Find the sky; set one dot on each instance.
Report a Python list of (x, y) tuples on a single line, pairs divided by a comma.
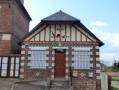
[(101, 17)]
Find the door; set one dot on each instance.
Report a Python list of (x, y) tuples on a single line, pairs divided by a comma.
[(60, 64)]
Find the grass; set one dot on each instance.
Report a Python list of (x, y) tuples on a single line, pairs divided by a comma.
[(114, 88), (115, 84), (115, 79)]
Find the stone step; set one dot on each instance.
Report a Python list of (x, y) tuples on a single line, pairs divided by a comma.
[(59, 84)]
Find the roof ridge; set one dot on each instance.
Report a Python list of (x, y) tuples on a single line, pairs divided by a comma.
[(60, 16)]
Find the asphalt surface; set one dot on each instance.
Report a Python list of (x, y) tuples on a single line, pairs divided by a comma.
[(6, 85)]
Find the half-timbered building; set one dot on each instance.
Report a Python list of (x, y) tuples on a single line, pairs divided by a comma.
[(58, 45)]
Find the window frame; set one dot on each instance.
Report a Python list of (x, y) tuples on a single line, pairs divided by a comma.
[(33, 49), (79, 50)]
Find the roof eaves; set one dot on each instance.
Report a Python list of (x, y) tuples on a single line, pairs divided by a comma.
[(88, 31), (33, 30), (24, 10)]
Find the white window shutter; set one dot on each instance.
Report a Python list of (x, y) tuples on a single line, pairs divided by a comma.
[(38, 58), (81, 59)]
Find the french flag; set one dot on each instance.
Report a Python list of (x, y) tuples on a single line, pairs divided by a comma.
[(58, 35), (53, 34)]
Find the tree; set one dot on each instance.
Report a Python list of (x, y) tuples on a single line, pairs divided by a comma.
[(118, 65), (115, 65)]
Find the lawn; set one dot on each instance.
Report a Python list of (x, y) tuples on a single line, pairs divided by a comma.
[(114, 88), (115, 79)]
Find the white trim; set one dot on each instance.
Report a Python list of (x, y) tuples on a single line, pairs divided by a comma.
[(53, 64), (29, 58), (97, 53), (91, 59), (22, 58), (82, 48), (66, 76), (47, 52), (52, 70), (28, 64), (29, 52), (38, 48), (60, 47), (22, 52), (67, 58), (97, 59), (53, 58), (53, 52), (47, 64), (97, 65), (98, 77), (23, 46), (67, 64), (91, 65), (47, 58), (66, 70), (22, 64), (72, 53), (97, 47), (67, 52), (21, 76), (97, 71), (52, 76), (73, 59), (72, 64), (91, 53), (21, 70)]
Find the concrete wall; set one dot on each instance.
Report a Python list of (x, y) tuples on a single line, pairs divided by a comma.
[(104, 81)]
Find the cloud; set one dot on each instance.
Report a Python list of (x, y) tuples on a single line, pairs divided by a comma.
[(110, 50), (111, 38), (98, 23), (33, 24)]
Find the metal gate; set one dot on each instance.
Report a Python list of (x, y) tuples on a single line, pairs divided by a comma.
[(9, 67)]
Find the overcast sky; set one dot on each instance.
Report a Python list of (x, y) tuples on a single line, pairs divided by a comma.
[(99, 16)]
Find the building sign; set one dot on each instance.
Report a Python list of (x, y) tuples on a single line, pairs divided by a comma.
[(90, 74), (75, 73)]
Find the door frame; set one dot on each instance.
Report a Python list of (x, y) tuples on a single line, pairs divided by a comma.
[(62, 66), (53, 69)]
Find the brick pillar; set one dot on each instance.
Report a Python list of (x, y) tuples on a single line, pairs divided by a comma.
[(98, 78), (22, 64)]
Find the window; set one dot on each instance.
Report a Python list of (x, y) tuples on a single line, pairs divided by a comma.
[(82, 59), (4, 66), (14, 67), (38, 59)]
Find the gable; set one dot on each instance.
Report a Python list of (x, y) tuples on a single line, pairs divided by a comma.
[(68, 33)]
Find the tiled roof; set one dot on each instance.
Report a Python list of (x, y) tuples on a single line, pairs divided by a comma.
[(60, 16)]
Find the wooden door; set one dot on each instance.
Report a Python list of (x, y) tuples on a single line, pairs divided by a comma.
[(60, 65)]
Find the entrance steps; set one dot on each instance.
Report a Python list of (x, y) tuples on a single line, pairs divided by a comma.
[(59, 84)]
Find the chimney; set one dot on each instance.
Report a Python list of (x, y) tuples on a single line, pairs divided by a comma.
[(22, 1)]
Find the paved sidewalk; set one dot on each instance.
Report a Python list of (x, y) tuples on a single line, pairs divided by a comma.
[(6, 84), (27, 87)]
